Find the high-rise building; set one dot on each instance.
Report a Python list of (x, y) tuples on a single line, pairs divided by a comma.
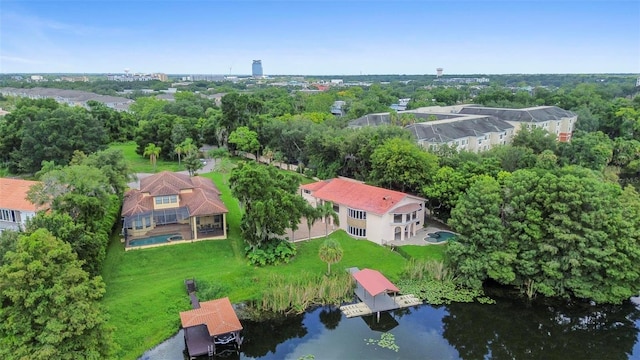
[(256, 69)]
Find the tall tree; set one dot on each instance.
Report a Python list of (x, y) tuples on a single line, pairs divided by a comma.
[(192, 163), (402, 165), (50, 306), (245, 140), (311, 214), (81, 191), (59, 133), (270, 201), (535, 138), (480, 250), (152, 151), (89, 247), (330, 252), (326, 213)]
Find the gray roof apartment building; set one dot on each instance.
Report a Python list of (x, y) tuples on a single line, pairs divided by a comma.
[(70, 97), (476, 128)]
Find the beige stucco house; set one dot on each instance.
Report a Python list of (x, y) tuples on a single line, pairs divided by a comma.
[(170, 203), (369, 212)]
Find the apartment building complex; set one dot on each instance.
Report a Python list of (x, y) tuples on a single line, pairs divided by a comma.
[(476, 128)]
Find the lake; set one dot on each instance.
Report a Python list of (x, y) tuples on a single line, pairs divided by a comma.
[(506, 330)]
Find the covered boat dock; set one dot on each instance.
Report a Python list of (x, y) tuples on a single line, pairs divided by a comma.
[(375, 293), (210, 326)]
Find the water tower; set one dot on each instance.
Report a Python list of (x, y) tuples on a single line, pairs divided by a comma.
[(439, 71)]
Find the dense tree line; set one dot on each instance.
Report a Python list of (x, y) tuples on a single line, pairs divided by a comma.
[(49, 283), (43, 130), (563, 233), (50, 305), (99, 86)]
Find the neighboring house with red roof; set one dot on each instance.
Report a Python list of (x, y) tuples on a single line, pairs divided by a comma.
[(173, 203), (365, 211), (15, 209)]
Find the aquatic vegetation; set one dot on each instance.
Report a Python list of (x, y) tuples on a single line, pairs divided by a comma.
[(433, 282), (386, 341), (295, 294)]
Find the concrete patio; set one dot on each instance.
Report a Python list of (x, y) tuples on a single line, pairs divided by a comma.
[(318, 230), (418, 239)]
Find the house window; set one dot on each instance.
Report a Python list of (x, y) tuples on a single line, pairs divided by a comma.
[(336, 208), (170, 199), (397, 218), (355, 231), (479, 141), (414, 215), (357, 214), (306, 191), (138, 224), (7, 215)]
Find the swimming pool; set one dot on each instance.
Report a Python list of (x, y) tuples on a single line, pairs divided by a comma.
[(439, 237), (158, 239)]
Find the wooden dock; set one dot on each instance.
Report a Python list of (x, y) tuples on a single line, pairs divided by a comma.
[(361, 308)]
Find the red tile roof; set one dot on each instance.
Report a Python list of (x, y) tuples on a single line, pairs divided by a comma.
[(405, 209), (203, 200), (136, 202), (13, 194), (165, 183), (374, 282), (356, 195), (218, 315)]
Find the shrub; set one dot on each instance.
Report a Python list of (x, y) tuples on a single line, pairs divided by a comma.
[(274, 252)]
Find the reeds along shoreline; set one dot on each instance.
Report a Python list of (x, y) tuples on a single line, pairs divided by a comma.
[(297, 294)]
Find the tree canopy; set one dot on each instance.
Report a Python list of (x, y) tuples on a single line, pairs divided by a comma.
[(558, 234), (50, 306), (270, 202)]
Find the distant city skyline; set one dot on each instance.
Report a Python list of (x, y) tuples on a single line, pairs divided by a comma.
[(320, 37)]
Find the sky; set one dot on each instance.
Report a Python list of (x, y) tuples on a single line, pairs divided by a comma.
[(349, 37)]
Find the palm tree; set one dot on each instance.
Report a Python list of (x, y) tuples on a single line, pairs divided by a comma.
[(152, 151), (325, 211), (179, 150), (311, 214), (188, 146), (330, 252)]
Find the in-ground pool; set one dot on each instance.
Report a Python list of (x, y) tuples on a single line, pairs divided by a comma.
[(158, 239), (439, 237)]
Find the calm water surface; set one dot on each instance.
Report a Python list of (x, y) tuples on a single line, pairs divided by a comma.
[(506, 330)]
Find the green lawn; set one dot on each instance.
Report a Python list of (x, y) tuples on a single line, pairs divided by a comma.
[(145, 289), (432, 252), (140, 164)]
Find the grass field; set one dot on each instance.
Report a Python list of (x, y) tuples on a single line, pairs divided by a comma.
[(140, 164), (145, 289)]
